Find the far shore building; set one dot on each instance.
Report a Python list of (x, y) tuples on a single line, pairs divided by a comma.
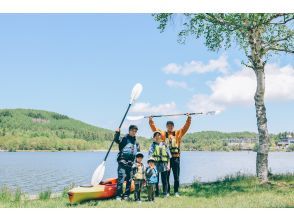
[(285, 142), (243, 143)]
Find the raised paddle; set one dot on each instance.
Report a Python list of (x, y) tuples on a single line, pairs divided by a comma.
[(135, 118), (100, 170)]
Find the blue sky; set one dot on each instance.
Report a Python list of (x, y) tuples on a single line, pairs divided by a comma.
[(84, 66)]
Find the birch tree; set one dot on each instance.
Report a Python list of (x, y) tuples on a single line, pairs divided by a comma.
[(259, 36)]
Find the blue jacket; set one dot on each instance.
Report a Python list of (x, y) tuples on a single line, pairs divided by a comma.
[(151, 175)]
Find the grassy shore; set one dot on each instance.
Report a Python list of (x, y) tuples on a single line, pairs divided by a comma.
[(234, 191)]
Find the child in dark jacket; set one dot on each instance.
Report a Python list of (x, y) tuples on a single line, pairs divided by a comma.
[(138, 175), (152, 180)]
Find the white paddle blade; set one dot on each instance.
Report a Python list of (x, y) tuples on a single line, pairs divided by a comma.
[(134, 118), (98, 174), (136, 92), (218, 112)]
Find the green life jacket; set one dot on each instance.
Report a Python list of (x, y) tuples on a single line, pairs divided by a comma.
[(160, 154), (171, 143)]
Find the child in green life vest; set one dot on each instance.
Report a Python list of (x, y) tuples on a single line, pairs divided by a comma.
[(138, 174), (161, 154), (151, 178)]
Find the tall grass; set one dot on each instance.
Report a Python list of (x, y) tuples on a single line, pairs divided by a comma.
[(45, 195), (66, 189), (8, 195)]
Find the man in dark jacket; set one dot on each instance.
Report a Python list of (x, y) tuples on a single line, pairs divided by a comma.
[(128, 148)]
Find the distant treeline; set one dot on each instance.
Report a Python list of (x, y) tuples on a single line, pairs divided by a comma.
[(26, 129)]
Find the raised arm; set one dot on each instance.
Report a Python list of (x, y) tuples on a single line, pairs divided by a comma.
[(186, 127), (152, 125)]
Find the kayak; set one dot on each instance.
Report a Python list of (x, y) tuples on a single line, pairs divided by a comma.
[(106, 189)]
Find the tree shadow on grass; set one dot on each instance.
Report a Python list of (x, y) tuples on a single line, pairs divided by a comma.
[(222, 187)]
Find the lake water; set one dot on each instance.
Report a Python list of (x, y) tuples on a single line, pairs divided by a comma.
[(37, 171)]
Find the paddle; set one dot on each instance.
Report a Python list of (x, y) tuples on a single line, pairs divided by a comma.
[(99, 172), (135, 118)]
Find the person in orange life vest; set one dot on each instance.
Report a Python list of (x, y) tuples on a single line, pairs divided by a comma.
[(173, 140)]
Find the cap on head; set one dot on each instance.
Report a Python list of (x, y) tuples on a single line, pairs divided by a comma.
[(151, 159), (139, 154), (133, 127), (155, 133), (170, 123)]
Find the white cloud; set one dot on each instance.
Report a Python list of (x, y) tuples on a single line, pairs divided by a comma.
[(219, 65), (239, 88), (204, 103), (143, 107), (177, 84)]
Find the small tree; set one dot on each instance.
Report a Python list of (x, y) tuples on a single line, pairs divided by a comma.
[(259, 36)]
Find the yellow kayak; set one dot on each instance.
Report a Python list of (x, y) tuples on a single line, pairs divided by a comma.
[(106, 189)]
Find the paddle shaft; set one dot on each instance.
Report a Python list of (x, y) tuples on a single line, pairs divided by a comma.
[(122, 121), (158, 116)]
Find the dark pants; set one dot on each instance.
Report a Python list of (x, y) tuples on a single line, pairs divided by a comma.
[(138, 188), (175, 168), (151, 191), (164, 176), (124, 174)]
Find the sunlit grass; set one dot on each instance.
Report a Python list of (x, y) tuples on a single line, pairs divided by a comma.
[(231, 191)]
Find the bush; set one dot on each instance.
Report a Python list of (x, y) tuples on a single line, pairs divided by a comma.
[(59, 116), (6, 113), (36, 115), (290, 148)]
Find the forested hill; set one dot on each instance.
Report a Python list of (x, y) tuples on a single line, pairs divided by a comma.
[(26, 129), (220, 141)]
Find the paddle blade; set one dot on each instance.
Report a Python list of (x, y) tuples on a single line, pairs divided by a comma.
[(213, 113), (98, 174), (218, 112), (135, 118), (136, 92)]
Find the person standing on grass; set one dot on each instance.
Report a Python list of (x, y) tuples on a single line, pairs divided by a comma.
[(138, 175), (128, 148), (160, 152), (173, 139), (151, 179)]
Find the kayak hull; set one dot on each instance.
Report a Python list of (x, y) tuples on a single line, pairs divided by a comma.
[(106, 189)]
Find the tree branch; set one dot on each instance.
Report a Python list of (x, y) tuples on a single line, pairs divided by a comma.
[(274, 16), (284, 22), (280, 49)]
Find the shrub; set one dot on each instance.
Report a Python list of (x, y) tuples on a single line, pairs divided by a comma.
[(290, 148)]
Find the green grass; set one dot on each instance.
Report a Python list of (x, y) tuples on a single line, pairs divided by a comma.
[(232, 191), (45, 195)]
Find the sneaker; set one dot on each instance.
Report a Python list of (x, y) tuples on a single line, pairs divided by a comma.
[(139, 201), (126, 198), (118, 198), (177, 195), (166, 196)]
